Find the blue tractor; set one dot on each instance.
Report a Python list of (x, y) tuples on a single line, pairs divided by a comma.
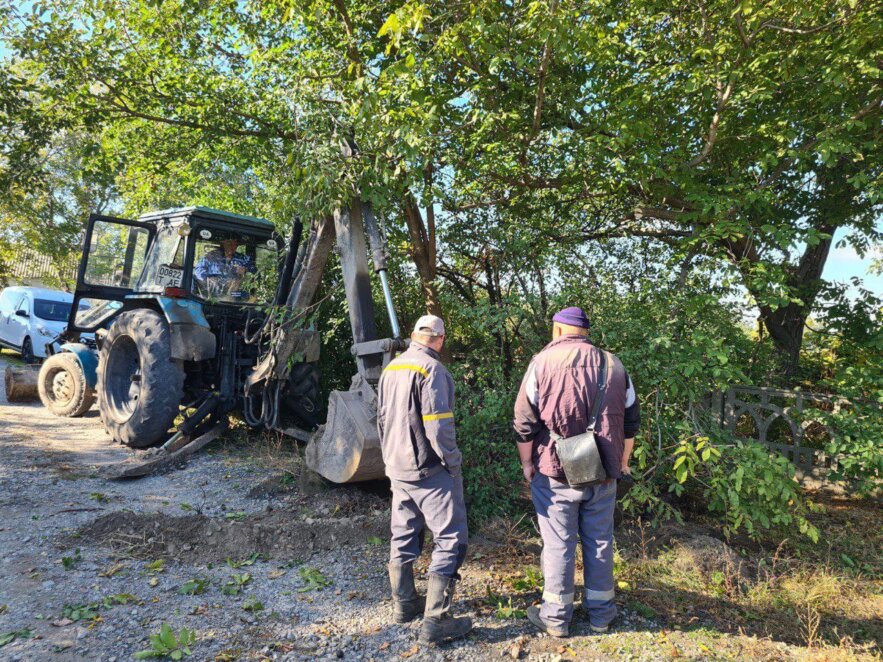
[(197, 312)]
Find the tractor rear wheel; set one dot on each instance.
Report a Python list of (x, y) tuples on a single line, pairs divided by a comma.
[(140, 386), (62, 386), (302, 396)]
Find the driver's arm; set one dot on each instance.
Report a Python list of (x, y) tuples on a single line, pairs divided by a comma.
[(201, 268)]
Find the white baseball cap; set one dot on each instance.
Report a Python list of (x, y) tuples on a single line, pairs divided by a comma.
[(430, 325)]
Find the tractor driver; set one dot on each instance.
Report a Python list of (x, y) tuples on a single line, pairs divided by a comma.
[(220, 271)]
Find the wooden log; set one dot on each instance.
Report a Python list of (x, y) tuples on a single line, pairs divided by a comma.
[(21, 383)]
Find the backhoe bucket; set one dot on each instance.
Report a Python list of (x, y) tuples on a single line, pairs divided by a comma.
[(347, 448)]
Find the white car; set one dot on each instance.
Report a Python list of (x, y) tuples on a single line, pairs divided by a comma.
[(30, 317)]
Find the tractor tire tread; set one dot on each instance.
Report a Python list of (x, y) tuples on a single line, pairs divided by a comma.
[(162, 380)]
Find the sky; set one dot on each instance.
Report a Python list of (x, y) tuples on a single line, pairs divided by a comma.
[(844, 264)]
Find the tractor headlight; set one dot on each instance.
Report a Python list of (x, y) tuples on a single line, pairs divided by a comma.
[(184, 229)]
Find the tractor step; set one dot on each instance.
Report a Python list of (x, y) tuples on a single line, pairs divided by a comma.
[(161, 459)]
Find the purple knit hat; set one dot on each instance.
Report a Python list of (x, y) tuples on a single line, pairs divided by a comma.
[(572, 316)]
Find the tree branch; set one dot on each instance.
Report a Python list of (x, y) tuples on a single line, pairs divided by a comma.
[(541, 78)]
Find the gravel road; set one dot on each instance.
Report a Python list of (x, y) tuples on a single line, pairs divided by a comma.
[(90, 568)]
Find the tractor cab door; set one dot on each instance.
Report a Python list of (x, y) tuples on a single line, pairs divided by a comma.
[(114, 252)]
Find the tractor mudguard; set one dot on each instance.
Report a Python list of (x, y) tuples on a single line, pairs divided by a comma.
[(87, 358), (192, 339)]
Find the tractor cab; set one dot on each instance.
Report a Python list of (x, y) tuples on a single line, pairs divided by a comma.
[(212, 257), (193, 259)]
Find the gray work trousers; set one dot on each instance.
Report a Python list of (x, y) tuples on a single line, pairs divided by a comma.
[(566, 516), (435, 503)]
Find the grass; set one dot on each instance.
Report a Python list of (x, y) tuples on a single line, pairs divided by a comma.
[(774, 599), (825, 597)]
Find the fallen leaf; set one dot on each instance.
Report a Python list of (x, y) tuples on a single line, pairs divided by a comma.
[(411, 651), (383, 646), (515, 651), (62, 622), (111, 570), (154, 581), (276, 574)]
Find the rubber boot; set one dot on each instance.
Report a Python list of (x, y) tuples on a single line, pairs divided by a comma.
[(438, 624), (407, 604)]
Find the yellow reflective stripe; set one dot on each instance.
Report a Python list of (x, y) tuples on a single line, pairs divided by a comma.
[(408, 366), (438, 417)]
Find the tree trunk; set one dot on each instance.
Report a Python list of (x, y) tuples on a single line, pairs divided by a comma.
[(835, 207), (423, 253)]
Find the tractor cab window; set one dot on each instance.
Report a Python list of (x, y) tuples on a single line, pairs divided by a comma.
[(165, 263), (116, 254), (233, 268)]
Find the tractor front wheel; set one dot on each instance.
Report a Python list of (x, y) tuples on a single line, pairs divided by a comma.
[(140, 386), (62, 386)]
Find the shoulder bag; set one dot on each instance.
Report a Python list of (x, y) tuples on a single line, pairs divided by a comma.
[(579, 455)]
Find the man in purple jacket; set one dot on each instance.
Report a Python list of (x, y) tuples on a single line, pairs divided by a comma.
[(555, 401)]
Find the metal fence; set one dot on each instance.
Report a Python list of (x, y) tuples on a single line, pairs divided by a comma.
[(774, 418), (26, 264)]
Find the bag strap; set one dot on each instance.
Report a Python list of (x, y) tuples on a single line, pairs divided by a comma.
[(602, 389)]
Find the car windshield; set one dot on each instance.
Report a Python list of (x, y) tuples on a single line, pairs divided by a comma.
[(235, 268), (53, 311)]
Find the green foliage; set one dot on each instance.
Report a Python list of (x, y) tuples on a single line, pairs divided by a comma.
[(242, 562), (168, 644), (193, 586), (84, 612), (70, 562), (253, 605), (236, 583), (156, 566), (504, 608), (484, 430), (9, 637), (849, 428), (313, 578), (531, 581), (551, 152)]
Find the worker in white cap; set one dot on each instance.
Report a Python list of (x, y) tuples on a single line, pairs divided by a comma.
[(415, 419)]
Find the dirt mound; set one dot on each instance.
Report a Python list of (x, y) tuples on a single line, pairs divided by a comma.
[(708, 555), (279, 534)]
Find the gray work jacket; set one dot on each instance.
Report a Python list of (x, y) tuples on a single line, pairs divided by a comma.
[(415, 416)]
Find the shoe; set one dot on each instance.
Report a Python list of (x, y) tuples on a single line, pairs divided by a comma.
[(438, 624), (407, 603), (533, 615), (598, 629)]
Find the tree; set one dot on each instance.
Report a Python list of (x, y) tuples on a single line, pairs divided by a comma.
[(48, 213), (723, 131)]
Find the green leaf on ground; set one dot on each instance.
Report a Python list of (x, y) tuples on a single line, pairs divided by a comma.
[(315, 580)]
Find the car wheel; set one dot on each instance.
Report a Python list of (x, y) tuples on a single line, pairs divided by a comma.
[(27, 351)]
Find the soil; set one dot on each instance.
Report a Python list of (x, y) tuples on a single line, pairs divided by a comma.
[(271, 535), (258, 565)]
